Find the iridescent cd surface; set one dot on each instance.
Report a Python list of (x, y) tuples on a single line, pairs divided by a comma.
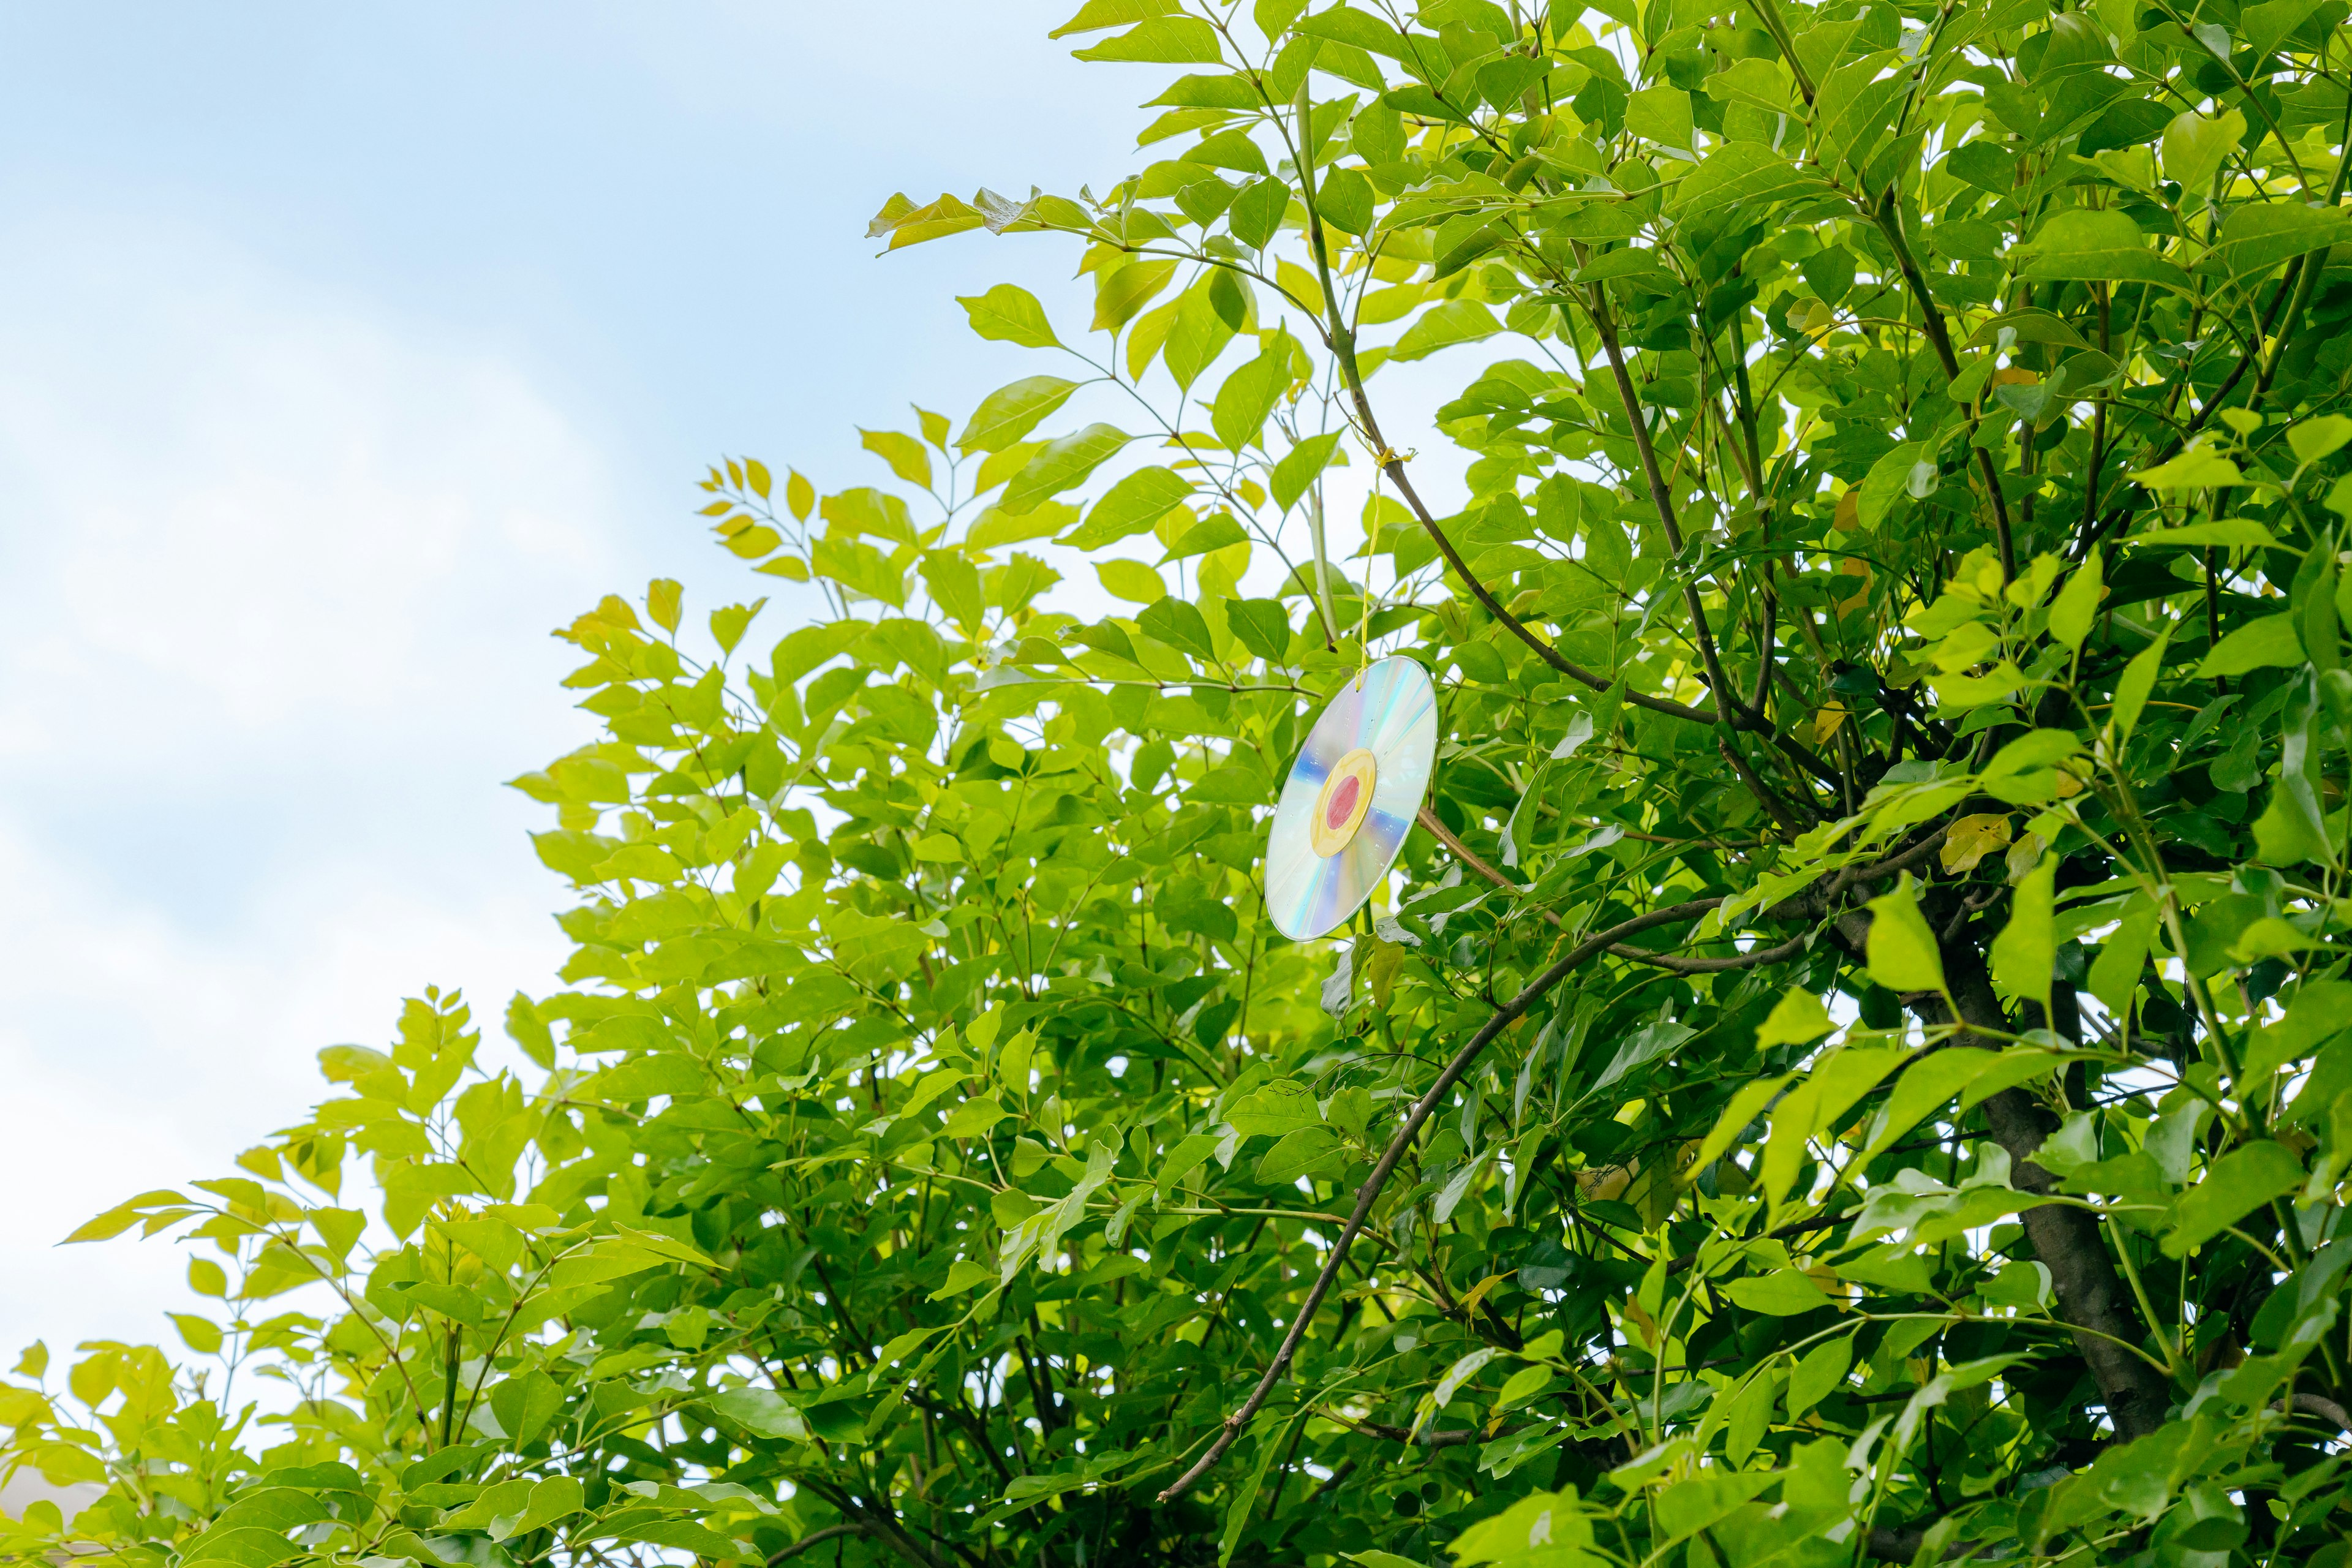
[(1391, 712)]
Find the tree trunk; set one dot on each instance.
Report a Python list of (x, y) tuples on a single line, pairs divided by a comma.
[(2091, 1295)]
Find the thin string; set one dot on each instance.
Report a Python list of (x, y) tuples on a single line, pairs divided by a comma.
[(1364, 615)]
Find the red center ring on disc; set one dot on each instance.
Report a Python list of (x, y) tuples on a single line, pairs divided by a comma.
[(1345, 801)]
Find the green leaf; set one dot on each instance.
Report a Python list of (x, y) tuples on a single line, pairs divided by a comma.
[(908, 223), (2199, 467), (1922, 1089), (2258, 645), (907, 456), (2229, 533), (2092, 245), (556, 1497), (1251, 393), (2193, 146), (1274, 1109), (2261, 236), (1637, 1051), (241, 1546), (1256, 216), (1760, 82), (2026, 949), (1903, 955), (2026, 770), (1296, 1153), (1179, 625), (1796, 1019), (1747, 1103), (1214, 531), (1346, 201), (1228, 149), (2318, 436), (1783, 1293), (1742, 175), (202, 1335), (2115, 975), (1206, 317), (1062, 465), (2077, 605), (1546, 1529), (526, 1405), (1164, 40), (1130, 507), (684, 1535), (1275, 1439), (1445, 325), (2239, 1182), (1814, 1107), (2137, 680), (1098, 15), (1010, 412), (962, 1278), (973, 1118), (1130, 580), (1261, 625), (1342, 23), (1346, 25), (1818, 1373), (1010, 314), (761, 1412), (1126, 290), (1661, 114), (1887, 483), (1301, 466)]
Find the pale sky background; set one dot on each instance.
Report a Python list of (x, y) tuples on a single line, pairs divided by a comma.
[(344, 352)]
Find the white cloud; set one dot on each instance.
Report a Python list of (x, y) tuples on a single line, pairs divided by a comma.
[(281, 572)]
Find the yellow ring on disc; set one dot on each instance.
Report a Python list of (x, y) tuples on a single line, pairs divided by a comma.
[(1345, 800)]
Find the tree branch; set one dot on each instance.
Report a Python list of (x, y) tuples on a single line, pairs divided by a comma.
[(1452, 1438), (1385, 459), (1789, 949), (2067, 1239), (1726, 697), (1889, 220), (817, 1538), (1504, 1016)]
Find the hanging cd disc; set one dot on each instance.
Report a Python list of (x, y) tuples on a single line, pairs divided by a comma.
[(1351, 797)]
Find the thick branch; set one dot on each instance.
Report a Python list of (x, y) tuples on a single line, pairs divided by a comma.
[(1453, 1438), (1343, 349), (2091, 1296), (816, 1538), (1392, 466)]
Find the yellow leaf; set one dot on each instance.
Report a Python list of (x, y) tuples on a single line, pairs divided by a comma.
[(1853, 567), (1131, 581), (1972, 838), (1826, 722), (1478, 1291), (1605, 1183)]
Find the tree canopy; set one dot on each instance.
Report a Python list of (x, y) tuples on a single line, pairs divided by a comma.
[(1853, 1064)]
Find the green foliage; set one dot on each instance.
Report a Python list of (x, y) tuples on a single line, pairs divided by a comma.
[(1863, 1071)]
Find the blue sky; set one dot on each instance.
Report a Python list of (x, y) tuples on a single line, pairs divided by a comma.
[(344, 351)]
